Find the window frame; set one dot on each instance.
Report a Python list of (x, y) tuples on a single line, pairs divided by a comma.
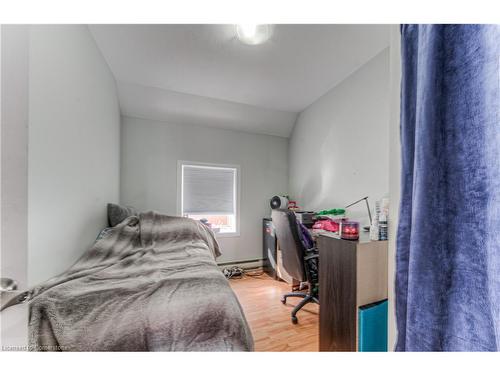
[(181, 163)]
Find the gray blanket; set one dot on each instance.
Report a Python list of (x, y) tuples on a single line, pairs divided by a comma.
[(150, 284)]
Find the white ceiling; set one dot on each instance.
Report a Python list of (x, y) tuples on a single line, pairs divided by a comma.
[(202, 74), (164, 105)]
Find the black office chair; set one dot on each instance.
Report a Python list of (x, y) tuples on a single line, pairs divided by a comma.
[(301, 263)]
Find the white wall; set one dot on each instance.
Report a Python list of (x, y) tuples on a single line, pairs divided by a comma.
[(74, 147), (14, 153), (394, 173), (339, 147), (151, 150), (14, 175)]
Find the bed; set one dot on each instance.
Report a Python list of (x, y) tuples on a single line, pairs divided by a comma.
[(150, 283)]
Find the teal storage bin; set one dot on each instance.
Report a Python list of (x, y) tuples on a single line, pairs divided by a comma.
[(372, 326)]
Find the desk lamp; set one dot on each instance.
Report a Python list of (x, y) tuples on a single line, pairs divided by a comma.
[(367, 228)]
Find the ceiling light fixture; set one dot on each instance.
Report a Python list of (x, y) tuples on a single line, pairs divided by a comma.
[(253, 34)]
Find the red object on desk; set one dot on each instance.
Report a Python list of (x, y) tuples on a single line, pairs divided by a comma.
[(329, 225), (349, 230)]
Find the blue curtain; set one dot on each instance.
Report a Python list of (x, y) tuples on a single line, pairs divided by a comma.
[(448, 243)]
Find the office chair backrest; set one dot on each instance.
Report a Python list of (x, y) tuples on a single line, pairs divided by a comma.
[(292, 250)]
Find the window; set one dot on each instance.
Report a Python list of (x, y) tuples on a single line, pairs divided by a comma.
[(209, 192)]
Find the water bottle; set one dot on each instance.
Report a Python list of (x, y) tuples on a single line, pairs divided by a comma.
[(382, 226)]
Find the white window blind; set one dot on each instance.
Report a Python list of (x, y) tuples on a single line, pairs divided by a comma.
[(208, 190)]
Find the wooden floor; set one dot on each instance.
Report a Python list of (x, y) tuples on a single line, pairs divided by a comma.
[(269, 319)]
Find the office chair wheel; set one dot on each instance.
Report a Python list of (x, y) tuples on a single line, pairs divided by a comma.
[(283, 300), (295, 320)]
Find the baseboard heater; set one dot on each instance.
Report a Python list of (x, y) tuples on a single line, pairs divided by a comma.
[(243, 263)]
